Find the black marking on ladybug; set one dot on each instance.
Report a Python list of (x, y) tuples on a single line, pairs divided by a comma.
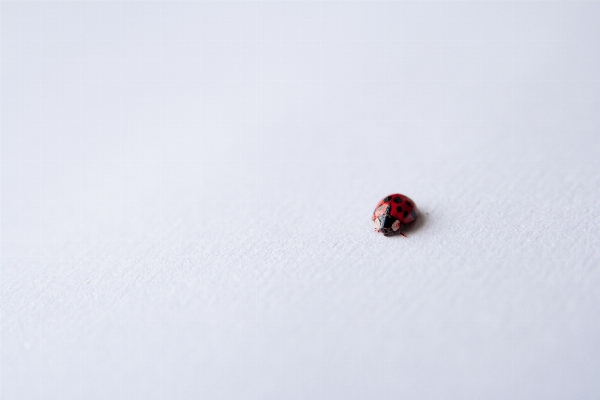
[(409, 203), (399, 209), (387, 199), (405, 214), (386, 225), (397, 200)]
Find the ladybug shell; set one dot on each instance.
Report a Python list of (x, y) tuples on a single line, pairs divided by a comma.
[(394, 212)]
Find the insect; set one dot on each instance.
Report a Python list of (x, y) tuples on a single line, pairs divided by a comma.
[(393, 213)]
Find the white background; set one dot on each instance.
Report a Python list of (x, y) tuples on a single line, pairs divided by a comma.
[(187, 191)]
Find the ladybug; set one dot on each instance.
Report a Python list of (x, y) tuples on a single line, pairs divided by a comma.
[(393, 213)]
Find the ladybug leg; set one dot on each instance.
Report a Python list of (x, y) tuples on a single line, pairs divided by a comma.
[(403, 234)]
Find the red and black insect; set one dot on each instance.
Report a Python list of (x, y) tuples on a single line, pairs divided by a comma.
[(393, 213)]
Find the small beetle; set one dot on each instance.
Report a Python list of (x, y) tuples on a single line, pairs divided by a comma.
[(393, 213)]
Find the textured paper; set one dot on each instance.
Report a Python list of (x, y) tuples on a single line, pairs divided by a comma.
[(187, 192)]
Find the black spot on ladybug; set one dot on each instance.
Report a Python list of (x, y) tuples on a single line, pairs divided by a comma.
[(405, 214), (397, 200), (387, 199), (399, 209), (409, 203)]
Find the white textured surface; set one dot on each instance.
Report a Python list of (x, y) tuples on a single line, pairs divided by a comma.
[(186, 194)]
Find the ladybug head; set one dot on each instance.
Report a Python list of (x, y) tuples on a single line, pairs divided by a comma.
[(384, 222)]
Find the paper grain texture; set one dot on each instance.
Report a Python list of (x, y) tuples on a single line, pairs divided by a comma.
[(187, 191)]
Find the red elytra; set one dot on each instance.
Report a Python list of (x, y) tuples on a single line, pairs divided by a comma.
[(393, 213)]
